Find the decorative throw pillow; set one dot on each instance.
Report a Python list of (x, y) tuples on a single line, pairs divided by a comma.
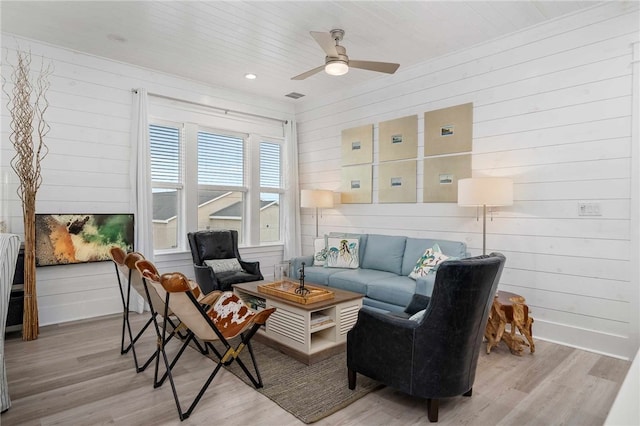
[(418, 315), (224, 265), (342, 253), (319, 252), (431, 257)]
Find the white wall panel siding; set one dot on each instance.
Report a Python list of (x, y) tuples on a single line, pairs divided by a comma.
[(87, 169), (552, 110)]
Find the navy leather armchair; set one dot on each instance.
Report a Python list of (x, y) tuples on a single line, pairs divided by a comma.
[(219, 245), (436, 356)]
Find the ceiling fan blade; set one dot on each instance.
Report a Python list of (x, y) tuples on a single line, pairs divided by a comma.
[(308, 73), (326, 41), (387, 67)]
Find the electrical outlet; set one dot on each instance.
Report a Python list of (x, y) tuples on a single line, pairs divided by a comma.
[(589, 209)]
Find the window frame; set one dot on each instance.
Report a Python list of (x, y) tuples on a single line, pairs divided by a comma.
[(188, 197), (271, 190), (179, 186)]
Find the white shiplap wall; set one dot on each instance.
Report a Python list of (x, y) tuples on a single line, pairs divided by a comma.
[(552, 110), (87, 169)]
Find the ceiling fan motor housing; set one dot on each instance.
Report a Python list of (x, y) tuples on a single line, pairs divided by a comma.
[(342, 56), (337, 35)]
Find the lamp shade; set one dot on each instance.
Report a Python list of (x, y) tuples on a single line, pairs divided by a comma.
[(486, 191), (316, 198)]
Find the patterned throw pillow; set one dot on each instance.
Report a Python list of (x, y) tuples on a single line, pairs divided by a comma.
[(319, 252), (224, 265), (431, 257), (342, 253)]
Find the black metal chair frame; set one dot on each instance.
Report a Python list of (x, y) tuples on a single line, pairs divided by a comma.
[(126, 325)]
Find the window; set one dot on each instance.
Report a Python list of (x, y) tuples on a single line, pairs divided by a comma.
[(270, 191), (204, 178), (220, 182), (166, 177)]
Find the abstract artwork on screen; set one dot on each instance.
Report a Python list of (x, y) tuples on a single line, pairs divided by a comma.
[(63, 239)]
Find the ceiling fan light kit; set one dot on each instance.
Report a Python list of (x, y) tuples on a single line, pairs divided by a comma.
[(337, 62), (336, 68)]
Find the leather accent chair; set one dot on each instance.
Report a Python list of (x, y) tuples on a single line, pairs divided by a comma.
[(436, 356), (219, 244)]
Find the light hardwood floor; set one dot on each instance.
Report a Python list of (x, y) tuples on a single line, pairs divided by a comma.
[(73, 374)]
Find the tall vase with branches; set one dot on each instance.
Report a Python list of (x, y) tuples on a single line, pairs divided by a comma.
[(27, 104)]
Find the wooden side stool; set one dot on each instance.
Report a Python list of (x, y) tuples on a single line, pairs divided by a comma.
[(509, 308)]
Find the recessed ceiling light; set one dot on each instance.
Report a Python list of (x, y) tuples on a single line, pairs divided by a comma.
[(250, 76)]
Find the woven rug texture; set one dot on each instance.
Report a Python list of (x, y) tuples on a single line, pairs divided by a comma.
[(309, 392)]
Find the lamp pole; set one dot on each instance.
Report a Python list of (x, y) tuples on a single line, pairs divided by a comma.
[(484, 229)]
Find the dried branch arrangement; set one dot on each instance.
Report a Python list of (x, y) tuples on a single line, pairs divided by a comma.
[(27, 106)]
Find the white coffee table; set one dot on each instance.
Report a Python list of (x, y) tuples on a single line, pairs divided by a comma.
[(307, 332)]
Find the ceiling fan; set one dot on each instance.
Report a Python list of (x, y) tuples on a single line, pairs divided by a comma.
[(337, 62)]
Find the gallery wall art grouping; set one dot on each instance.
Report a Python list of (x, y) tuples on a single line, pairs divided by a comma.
[(448, 135)]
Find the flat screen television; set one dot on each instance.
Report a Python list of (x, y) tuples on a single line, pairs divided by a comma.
[(63, 239)]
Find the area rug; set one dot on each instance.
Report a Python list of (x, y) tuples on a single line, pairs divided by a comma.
[(309, 392)]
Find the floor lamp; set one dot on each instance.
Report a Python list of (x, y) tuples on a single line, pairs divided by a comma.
[(318, 199), (485, 192)]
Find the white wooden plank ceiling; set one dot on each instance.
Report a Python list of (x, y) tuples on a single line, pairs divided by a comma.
[(218, 42)]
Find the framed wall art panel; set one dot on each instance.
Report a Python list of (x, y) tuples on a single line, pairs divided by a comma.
[(63, 239), (357, 145), (397, 182), (441, 175), (357, 182), (448, 130), (398, 139)]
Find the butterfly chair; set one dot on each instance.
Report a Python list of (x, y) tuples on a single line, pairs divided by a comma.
[(228, 317), (157, 304), (125, 268), (434, 353)]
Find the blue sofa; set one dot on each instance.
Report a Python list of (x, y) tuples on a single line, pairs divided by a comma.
[(385, 264)]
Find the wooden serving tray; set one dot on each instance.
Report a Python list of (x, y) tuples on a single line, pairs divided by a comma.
[(287, 290)]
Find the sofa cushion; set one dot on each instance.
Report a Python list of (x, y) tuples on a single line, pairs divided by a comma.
[(415, 247), (424, 285), (384, 253), (319, 274), (357, 279), (396, 289), (342, 253), (361, 237)]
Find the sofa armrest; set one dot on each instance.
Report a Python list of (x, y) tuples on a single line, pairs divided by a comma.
[(252, 268), (296, 264), (418, 302), (424, 285), (206, 279)]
